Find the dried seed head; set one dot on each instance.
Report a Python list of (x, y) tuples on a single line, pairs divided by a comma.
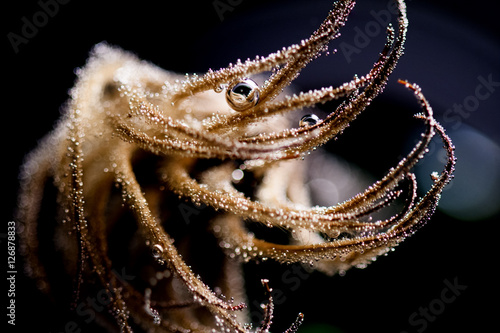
[(157, 136)]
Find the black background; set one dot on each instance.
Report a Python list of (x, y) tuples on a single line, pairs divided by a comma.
[(190, 37)]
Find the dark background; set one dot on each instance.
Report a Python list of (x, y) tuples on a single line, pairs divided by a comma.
[(450, 44)]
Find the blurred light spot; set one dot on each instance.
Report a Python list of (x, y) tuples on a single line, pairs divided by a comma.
[(237, 175), (474, 193), (323, 191)]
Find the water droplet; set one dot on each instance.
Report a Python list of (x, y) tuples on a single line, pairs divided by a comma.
[(243, 94), (157, 250), (308, 120), (219, 88)]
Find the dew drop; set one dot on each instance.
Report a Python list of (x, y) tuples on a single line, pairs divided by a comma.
[(308, 120), (219, 88), (243, 94), (157, 250)]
